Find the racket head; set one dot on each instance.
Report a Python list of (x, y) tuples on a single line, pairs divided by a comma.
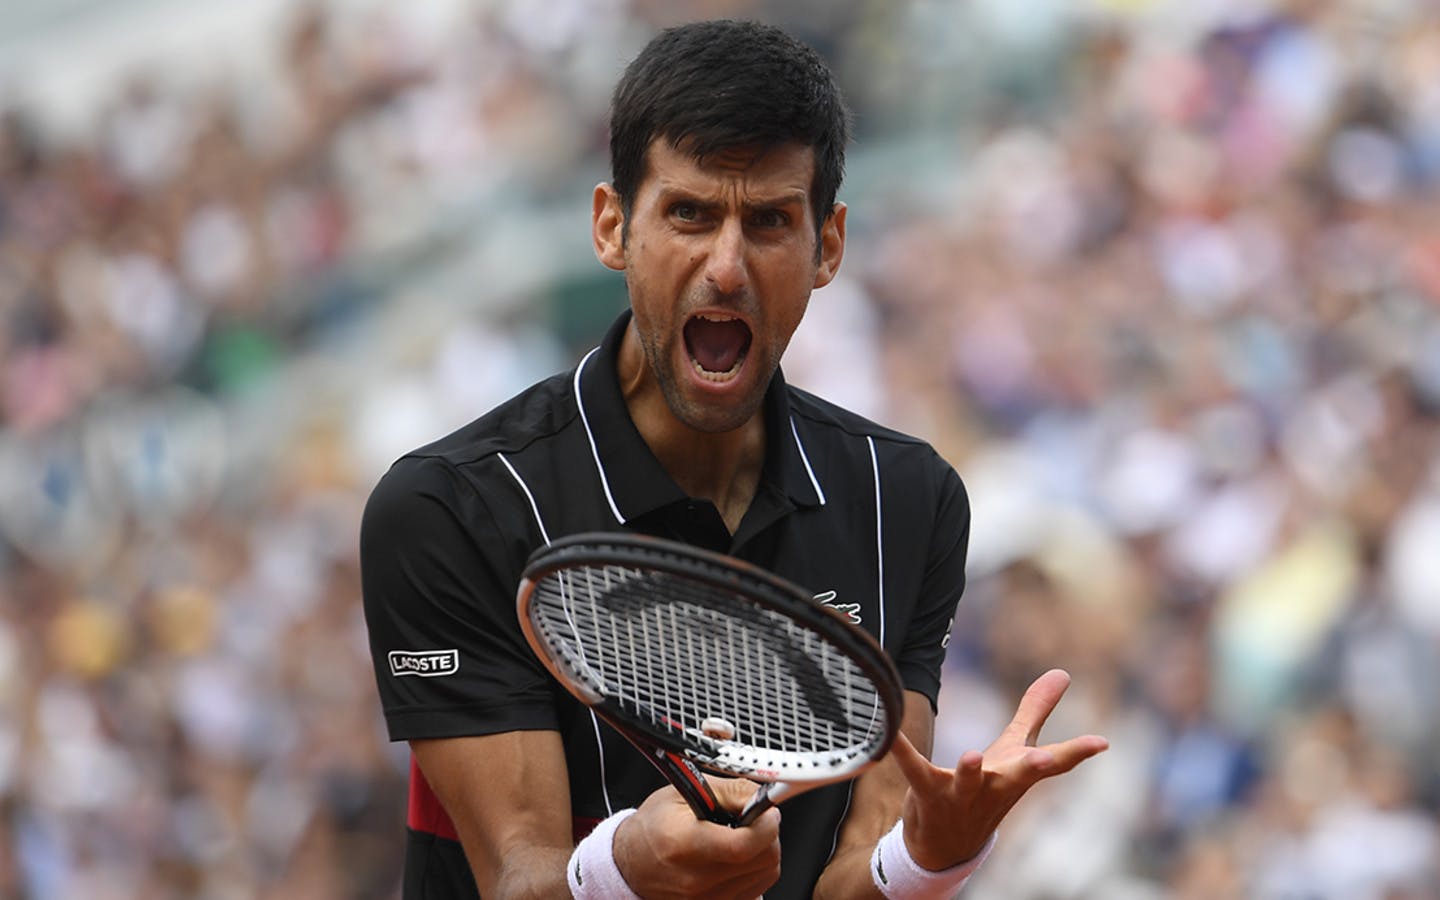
[(710, 658)]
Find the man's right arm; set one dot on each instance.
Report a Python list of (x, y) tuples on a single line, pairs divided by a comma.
[(437, 577), (509, 798)]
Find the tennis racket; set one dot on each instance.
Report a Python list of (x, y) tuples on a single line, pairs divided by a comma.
[(706, 662)]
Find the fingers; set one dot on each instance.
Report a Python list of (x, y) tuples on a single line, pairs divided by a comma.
[(743, 848), (949, 814), (756, 863), (1068, 754), (1031, 765), (733, 793), (970, 771), (1039, 701), (664, 851), (917, 769), (744, 887)]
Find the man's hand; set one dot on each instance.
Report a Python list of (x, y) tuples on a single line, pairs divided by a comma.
[(949, 815), (665, 852)]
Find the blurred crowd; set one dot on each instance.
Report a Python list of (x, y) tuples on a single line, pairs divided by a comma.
[(1162, 280)]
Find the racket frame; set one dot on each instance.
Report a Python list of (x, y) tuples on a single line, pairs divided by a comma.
[(678, 758)]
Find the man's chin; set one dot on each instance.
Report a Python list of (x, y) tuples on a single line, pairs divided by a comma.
[(712, 407), (715, 423), (714, 417)]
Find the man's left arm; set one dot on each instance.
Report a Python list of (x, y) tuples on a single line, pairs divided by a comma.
[(874, 807), (948, 814)]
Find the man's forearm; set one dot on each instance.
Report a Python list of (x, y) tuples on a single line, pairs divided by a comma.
[(847, 877), (535, 873)]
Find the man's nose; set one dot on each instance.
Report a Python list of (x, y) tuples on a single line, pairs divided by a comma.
[(725, 268)]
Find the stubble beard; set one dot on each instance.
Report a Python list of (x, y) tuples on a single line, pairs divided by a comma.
[(710, 418)]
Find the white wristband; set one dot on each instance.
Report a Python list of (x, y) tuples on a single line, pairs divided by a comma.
[(591, 871), (899, 877)]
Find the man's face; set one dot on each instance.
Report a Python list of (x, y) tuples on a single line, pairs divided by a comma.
[(719, 259)]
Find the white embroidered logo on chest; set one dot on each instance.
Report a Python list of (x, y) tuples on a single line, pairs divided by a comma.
[(851, 611)]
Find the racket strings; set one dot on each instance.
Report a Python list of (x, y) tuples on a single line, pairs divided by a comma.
[(685, 654)]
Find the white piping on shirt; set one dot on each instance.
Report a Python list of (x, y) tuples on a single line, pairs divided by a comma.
[(879, 539), (880, 566), (805, 458), (545, 536), (600, 753), (835, 838), (600, 466), (594, 451)]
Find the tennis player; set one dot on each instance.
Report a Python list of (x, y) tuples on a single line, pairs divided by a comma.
[(727, 143)]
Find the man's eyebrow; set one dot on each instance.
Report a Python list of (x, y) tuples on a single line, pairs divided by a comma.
[(787, 198), (671, 193)]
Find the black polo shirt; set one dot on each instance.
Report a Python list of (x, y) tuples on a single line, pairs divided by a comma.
[(874, 522)]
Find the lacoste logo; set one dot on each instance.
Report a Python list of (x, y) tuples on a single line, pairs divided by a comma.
[(851, 611), (425, 663)]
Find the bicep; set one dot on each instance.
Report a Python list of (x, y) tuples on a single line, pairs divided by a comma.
[(509, 797)]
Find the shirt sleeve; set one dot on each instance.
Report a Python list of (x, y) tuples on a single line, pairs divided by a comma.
[(438, 577), (923, 653)]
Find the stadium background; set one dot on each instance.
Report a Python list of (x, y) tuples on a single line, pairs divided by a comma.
[(1161, 279)]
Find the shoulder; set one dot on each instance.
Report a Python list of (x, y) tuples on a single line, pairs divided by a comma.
[(537, 413), (835, 437), (838, 421), (836, 429), (449, 470)]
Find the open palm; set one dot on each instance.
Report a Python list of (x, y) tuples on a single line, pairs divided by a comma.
[(949, 814)]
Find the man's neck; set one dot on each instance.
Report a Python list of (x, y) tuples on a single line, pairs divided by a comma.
[(723, 468)]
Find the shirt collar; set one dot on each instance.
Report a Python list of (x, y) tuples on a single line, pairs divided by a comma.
[(633, 479)]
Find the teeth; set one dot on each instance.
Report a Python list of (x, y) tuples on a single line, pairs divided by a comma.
[(718, 376), (739, 360)]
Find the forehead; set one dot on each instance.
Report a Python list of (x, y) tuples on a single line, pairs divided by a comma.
[(784, 168)]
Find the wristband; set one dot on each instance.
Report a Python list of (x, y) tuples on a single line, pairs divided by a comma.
[(591, 871), (899, 877)]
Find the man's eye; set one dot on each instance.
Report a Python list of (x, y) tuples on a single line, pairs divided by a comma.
[(685, 212), (770, 218)]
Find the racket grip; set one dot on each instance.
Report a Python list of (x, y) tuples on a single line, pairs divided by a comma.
[(692, 785)]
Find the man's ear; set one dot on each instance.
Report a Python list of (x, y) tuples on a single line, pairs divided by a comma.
[(607, 227), (832, 246)]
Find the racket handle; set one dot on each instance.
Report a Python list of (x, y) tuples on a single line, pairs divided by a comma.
[(692, 785)]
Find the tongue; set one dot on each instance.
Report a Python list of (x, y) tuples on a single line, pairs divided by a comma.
[(716, 345)]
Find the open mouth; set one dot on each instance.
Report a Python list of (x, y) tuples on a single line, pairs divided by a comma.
[(717, 345)]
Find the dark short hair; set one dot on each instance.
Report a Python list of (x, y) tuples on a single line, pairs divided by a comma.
[(707, 87)]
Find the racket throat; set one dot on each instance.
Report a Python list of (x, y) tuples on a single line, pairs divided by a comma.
[(766, 795), (692, 785)]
